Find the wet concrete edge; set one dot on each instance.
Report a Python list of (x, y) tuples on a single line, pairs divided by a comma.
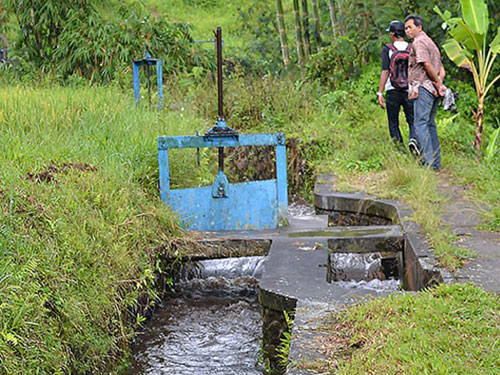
[(421, 265)]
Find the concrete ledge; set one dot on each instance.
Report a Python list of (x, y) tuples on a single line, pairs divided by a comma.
[(421, 269), (215, 248)]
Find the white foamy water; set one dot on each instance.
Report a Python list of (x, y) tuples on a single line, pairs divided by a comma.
[(211, 325), (375, 284)]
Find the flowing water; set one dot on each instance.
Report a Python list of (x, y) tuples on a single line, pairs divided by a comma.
[(364, 271), (211, 325), (300, 208)]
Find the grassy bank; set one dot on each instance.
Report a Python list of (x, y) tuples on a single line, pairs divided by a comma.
[(452, 329), (80, 225)]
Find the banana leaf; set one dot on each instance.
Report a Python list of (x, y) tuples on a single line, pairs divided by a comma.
[(475, 14), (490, 150), (456, 52), (495, 43), (462, 33)]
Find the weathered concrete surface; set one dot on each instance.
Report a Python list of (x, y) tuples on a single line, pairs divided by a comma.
[(420, 264), (297, 270), (349, 209), (306, 354), (463, 215), (224, 248), (295, 277), (460, 214)]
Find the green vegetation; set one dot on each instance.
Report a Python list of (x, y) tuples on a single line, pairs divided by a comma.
[(283, 349), (468, 49), (450, 329), (82, 228), (88, 40)]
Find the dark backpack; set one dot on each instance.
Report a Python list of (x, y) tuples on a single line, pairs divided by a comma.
[(398, 67)]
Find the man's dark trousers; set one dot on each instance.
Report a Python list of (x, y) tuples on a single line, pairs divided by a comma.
[(395, 99)]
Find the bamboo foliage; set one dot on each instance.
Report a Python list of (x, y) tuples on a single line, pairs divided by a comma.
[(305, 28), (298, 33), (333, 19), (317, 29), (282, 32)]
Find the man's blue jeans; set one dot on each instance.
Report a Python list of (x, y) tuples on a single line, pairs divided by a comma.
[(425, 109)]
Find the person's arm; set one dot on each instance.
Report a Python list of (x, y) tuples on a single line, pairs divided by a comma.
[(434, 77), (383, 75), (380, 93), (442, 73)]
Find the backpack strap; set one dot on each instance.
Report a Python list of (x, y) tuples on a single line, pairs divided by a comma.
[(392, 47), (408, 49)]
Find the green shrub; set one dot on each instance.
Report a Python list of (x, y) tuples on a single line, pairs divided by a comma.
[(79, 39), (336, 63)]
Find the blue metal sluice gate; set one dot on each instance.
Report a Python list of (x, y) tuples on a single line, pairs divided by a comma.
[(225, 206)]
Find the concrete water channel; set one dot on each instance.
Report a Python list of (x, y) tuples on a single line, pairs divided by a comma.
[(354, 248)]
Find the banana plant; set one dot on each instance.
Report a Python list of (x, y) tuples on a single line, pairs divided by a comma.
[(491, 149), (467, 47)]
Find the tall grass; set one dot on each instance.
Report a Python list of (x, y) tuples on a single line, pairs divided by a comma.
[(80, 224)]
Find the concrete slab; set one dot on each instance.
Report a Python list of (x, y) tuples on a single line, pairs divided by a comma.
[(463, 216), (297, 269), (305, 350), (484, 269)]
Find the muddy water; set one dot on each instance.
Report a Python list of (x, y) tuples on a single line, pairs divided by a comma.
[(211, 325)]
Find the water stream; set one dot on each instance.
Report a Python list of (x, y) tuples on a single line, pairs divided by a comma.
[(211, 325), (364, 271)]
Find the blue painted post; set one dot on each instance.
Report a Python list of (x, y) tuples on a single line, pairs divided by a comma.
[(135, 69), (281, 179), (148, 61), (159, 83), (164, 173)]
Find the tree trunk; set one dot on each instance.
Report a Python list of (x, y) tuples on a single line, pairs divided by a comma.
[(317, 29), (298, 33), (333, 19), (282, 31), (478, 134), (305, 26)]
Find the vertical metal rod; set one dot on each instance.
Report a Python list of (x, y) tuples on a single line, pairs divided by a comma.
[(219, 73), (148, 75), (197, 152), (218, 41), (221, 159)]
